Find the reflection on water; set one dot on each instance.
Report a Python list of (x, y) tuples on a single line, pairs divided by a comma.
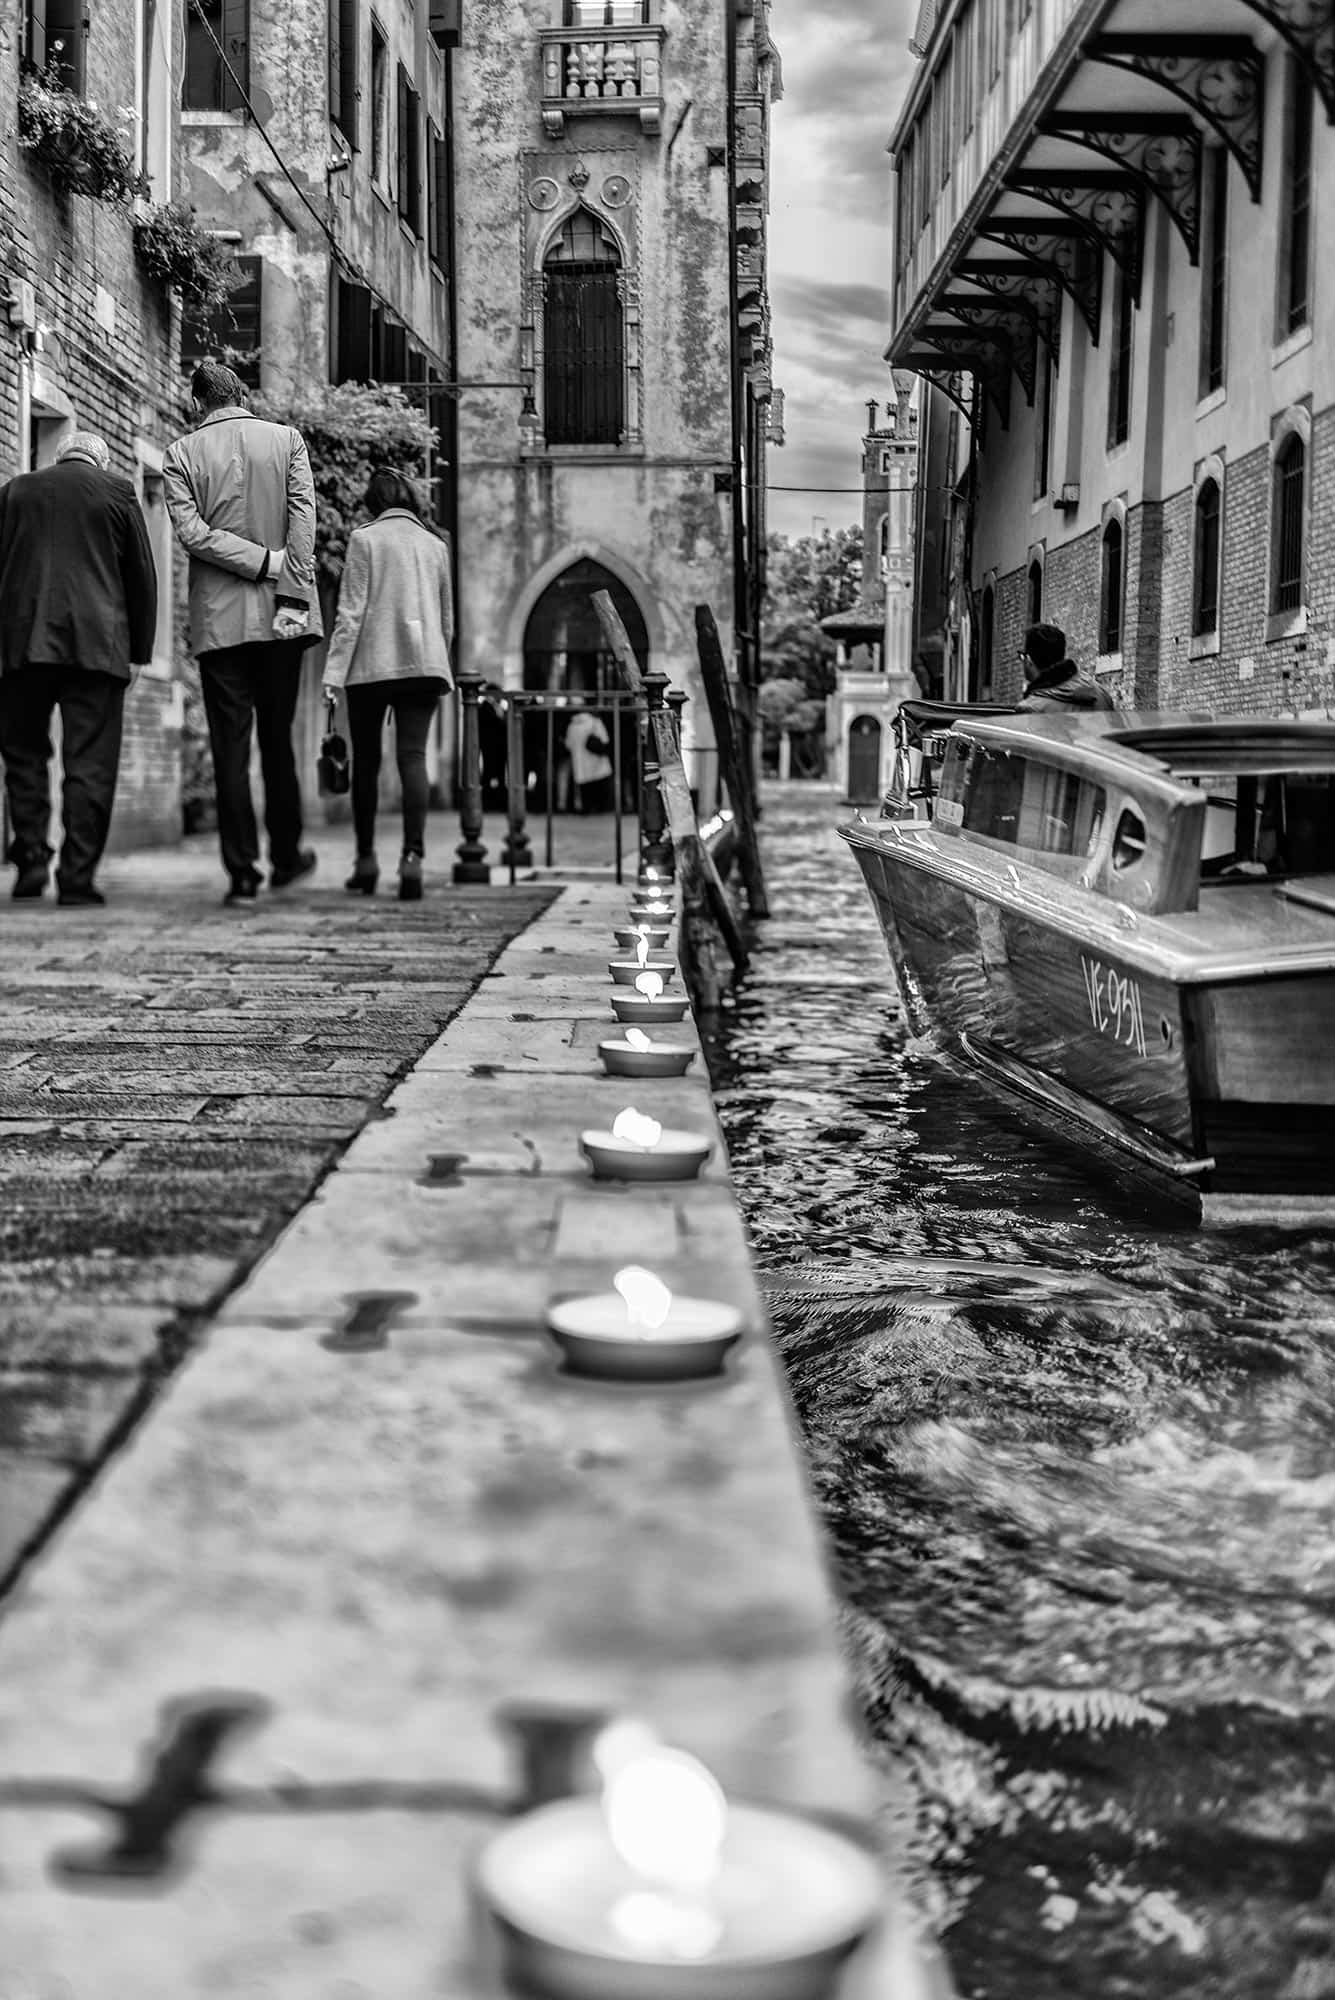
[(1077, 1461)]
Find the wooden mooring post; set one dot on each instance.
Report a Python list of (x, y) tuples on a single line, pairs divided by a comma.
[(734, 750)]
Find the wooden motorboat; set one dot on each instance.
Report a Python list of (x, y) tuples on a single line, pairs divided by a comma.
[(1128, 920)]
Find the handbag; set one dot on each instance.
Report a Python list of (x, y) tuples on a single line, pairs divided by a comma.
[(332, 766)]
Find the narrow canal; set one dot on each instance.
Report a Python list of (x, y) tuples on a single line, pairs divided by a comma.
[(1077, 1462)]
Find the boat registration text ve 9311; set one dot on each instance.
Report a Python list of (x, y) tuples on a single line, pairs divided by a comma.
[(1115, 1006)]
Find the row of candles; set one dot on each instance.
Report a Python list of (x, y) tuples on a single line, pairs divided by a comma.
[(660, 1888)]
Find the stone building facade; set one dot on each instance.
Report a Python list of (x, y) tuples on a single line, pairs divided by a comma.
[(316, 139), (87, 338), (1122, 234), (612, 160)]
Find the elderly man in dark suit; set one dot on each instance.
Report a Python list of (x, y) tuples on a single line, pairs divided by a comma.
[(78, 606)]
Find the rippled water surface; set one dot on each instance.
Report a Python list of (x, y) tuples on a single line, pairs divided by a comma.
[(1077, 1459)]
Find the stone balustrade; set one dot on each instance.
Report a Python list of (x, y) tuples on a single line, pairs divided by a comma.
[(601, 70)]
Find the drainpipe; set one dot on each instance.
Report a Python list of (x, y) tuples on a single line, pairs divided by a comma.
[(743, 640)]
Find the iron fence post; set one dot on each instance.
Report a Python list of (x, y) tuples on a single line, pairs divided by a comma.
[(655, 840), (516, 853), (472, 863)]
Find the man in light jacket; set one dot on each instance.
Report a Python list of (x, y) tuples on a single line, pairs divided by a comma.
[(242, 501), (78, 604)]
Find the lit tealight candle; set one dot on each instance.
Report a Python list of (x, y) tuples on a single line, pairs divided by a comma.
[(647, 1003), (639, 1055), (642, 1332), (639, 1149), (628, 971), (662, 1890)]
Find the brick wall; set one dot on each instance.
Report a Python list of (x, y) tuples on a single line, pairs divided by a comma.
[(107, 364), (1250, 673)]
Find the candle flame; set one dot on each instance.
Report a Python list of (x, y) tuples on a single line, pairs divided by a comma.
[(666, 1817), (648, 1299), (642, 950), (636, 1129), (637, 1039), (650, 984)]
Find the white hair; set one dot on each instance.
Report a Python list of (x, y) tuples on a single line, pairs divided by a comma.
[(85, 444)]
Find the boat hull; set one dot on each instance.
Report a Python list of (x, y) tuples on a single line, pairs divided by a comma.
[(1226, 1087)]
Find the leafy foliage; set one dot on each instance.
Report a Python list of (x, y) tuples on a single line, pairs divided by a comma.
[(77, 144), (185, 257), (350, 428)]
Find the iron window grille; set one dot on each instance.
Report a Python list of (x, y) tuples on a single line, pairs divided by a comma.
[(1205, 563), (1290, 502), (1110, 601), (584, 347)]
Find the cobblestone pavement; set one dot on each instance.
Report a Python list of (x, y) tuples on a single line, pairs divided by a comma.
[(175, 1079)]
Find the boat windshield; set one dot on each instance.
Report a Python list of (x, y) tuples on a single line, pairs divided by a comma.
[(1275, 824)]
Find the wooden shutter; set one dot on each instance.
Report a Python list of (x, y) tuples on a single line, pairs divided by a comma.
[(438, 196), (354, 333), (235, 327), (65, 24), (401, 142), (236, 45), (343, 49), (334, 16), (34, 34), (584, 355)]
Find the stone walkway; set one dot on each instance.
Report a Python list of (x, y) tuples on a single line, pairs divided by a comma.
[(175, 1080)]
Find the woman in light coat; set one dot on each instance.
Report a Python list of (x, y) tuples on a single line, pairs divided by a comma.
[(391, 650)]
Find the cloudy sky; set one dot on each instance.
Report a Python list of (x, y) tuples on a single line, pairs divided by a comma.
[(846, 66)]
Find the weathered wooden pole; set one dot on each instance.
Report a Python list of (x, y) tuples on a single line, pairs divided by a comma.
[(734, 758), (472, 863)]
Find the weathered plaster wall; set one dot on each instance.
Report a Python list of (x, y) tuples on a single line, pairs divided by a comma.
[(648, 508)]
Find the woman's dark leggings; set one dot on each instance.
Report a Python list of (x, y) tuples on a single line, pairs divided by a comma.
[(414, 704)]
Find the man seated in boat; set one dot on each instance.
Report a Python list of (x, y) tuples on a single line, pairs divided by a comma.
[(1054, 684)]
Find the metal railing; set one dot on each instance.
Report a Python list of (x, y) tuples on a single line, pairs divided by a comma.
[(534, 771)]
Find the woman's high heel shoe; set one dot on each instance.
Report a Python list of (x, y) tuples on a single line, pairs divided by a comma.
[(365, 874), (410, 879)]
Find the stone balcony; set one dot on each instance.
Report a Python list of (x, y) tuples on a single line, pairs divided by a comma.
[(589, 71)]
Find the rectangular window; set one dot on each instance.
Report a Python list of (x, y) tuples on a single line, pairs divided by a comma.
[(154, 95), (410, 153), (1295, 221), (1289, 510), (352, 327), (54, 41), (217, 56), (584, 355), (1214, 271), (605, 13), (964, 40), (344, 39), (1042, 423), (1119, 360), (438, 199), (234, 331), (379, 103), (1026, 804), (944, 102)]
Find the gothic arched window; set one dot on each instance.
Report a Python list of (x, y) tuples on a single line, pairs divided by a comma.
[(584, 345)]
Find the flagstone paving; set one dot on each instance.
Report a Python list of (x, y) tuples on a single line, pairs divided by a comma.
[(176, 1078)]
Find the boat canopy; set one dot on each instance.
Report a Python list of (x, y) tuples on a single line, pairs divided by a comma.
[(922, 718), (1245, 745)]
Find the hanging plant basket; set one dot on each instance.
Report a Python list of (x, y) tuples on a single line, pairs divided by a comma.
[(79, 147), (185, 258)]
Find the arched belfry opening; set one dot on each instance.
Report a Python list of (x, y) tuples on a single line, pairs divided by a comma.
[(564, 647), (584, 344)]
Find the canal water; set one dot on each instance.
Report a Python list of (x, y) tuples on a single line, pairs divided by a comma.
[(1076, 1458)]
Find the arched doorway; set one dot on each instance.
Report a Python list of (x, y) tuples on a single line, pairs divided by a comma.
[(565, 652), (864, 760)]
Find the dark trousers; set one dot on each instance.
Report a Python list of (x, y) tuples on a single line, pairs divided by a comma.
[(414, 703), (245, 685), (91, 707)]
